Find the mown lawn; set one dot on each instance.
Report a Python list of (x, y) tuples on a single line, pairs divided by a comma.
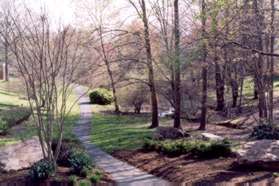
[(114, 132), (11, 97)]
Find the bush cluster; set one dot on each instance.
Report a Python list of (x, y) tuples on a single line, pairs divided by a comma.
[(101, 96), (80, 162), (199, 149), (67, 147), (72, 156), (41, 170), (265, 131)]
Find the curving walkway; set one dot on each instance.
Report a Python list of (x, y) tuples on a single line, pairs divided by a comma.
[(122, 173)]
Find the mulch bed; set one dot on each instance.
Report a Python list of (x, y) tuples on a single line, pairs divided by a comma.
[(184, 169), (20, 178)]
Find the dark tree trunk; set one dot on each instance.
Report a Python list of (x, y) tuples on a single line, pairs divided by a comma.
[(204, 70), (154, 102), (220, 88), (177, 94)]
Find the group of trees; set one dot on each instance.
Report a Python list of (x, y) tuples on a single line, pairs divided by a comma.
[(184, 51), (173, 50)]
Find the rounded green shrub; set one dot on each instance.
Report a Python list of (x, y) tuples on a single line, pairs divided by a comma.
[(101, 96), (213, 149), (41, 170), (80, 162)]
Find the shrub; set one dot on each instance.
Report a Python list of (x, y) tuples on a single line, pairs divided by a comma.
[(199, 149), (84, 183), (101, 96), (265, 131), (213, 149), (41, 170), (80, 162), (151, 145), (95, 178), (3, 126), (67, 147), (73, 179)]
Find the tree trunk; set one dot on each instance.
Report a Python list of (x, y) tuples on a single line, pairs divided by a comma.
[(220, 87), (260, 80), (154, 102), (6, 70), (204, 70), (107, 63), (177, 81), (271, 70)]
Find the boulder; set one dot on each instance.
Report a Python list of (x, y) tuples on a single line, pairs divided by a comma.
[(211, 137), (20, 156), (162, 133), (261, 153)]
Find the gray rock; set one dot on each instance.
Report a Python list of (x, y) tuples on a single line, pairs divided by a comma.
[(264, 153), (211, 137), (162, 133), (20, 156)]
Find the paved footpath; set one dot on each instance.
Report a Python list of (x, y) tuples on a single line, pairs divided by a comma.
[(122, 173)]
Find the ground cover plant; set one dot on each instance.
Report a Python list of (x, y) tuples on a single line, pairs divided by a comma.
[(197, 148)]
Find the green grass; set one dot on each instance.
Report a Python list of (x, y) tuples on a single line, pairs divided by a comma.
[(11, 98), (116, 132), (10, 94), (248, 86)]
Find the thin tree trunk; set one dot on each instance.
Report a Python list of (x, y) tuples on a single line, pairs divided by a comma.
[(260, 84), (112, 82), (204, 71), (220, 87), (6, 70), (154, 102), (177, 82), (271, 72)]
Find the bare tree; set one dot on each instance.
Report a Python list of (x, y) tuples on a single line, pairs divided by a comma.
[(6, 29), (48, 62), (142, 13)]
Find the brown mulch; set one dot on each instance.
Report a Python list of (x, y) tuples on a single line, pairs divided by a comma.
[(61, 178), (229, 133), (184, 169)]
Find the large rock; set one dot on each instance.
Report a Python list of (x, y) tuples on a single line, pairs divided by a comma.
[(211, 137), (162, 133), (20, 156), (263, 153)]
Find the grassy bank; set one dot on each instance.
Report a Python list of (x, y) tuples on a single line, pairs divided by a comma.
[(12, 97)]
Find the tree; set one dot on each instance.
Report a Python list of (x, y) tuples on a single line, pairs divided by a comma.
[(204, 68), (6, 29), (177, 80), (271, 68), (48, 62), (142, 13)]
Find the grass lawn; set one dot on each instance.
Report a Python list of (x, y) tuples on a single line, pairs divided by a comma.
[(11, 97), (120, 132), (112, 132)]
